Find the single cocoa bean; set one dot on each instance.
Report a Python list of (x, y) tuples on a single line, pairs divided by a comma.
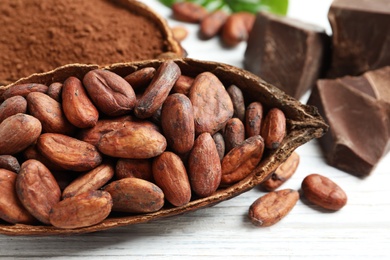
[(237, 27), (234, 133), (24, 89), (272, 207), (323, 192), (134, 168), (204, 166), (109, 92), (37, 189), (11, 209), (141, 78), (253, 119), (211, 102), (55, 91), (188, 12), (68, 152), (158, 90), (282, 173), (9, 162), (212, 24), (237, 98), (135, 195), (177, 121), (220, 144), (84, 210), (32, 152), (183, 85), (12, 106), (50, 113), (179, 33), (17, 132), (273, 129), (171, 176), (241, 160)]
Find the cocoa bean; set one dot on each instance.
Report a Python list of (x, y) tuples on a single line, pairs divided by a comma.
[(273, 129), (12, 106), (188, 12)]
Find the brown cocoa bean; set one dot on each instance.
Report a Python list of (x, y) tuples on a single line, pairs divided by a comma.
[(78, 108), (37, 189), (134, 168), (273, 129), (220, 144), (177, 122), (109, 92), (183, 85), (171, 176), (55, 91), (141, 78), (323, 192), (135, 195), (24, 89), (9, 162), (234, 133), (241, 160), (135, 141), (12, 106), (188, 12), (282, 173), (17, 132), (237, 28), (179, 33), (84, 210), (50, 113), (253, 119), (237, 98), (212, 24), (211, 103), (158, 90), (272, 207), (11, 209), (92, 180), (204, 166), (32, 152), (68, 152)]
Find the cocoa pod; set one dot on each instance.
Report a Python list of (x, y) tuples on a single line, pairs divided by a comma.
[(9, 162), (92, 180), (188, 12), (272, 207), (109, 92), (220, 144), (135, 195), (24, 89), (11, 209), (237, 98), (134, 168), (55, 91), (177, 122), (241, 160), (12, 106), (17, 132), (273, 129), (212, 24), (158, 90), (234, 133), (84, 210), (78, 108), (323, 192), (282, 173), (50, 113), (204, 166), (68, 152), (211, 103), (141, 78), (183, 85), (37, 189), (237, 28), (253, 119), (135, 141), (171, 176)]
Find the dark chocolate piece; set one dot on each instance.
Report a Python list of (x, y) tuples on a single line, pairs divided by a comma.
[(357, 111), (361, 36), (287, 53)]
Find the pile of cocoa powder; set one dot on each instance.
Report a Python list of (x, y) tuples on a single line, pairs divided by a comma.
[(38, 36)]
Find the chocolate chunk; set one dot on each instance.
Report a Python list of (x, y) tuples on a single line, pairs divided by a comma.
[(361, 36), (287, 53), (357, 110)]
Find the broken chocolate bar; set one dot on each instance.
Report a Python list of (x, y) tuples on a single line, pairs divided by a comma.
[(287, 53), (357, 111), (361, 36)]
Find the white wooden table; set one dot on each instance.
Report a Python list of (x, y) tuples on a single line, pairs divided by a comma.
[(361, 230)]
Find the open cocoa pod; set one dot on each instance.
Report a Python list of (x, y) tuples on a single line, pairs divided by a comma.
[(65, 32), (303, 123)]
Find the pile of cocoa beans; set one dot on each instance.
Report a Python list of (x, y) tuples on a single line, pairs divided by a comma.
[(73, 152), (233, 28)]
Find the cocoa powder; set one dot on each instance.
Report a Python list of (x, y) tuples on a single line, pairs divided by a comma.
[(38, 36)]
